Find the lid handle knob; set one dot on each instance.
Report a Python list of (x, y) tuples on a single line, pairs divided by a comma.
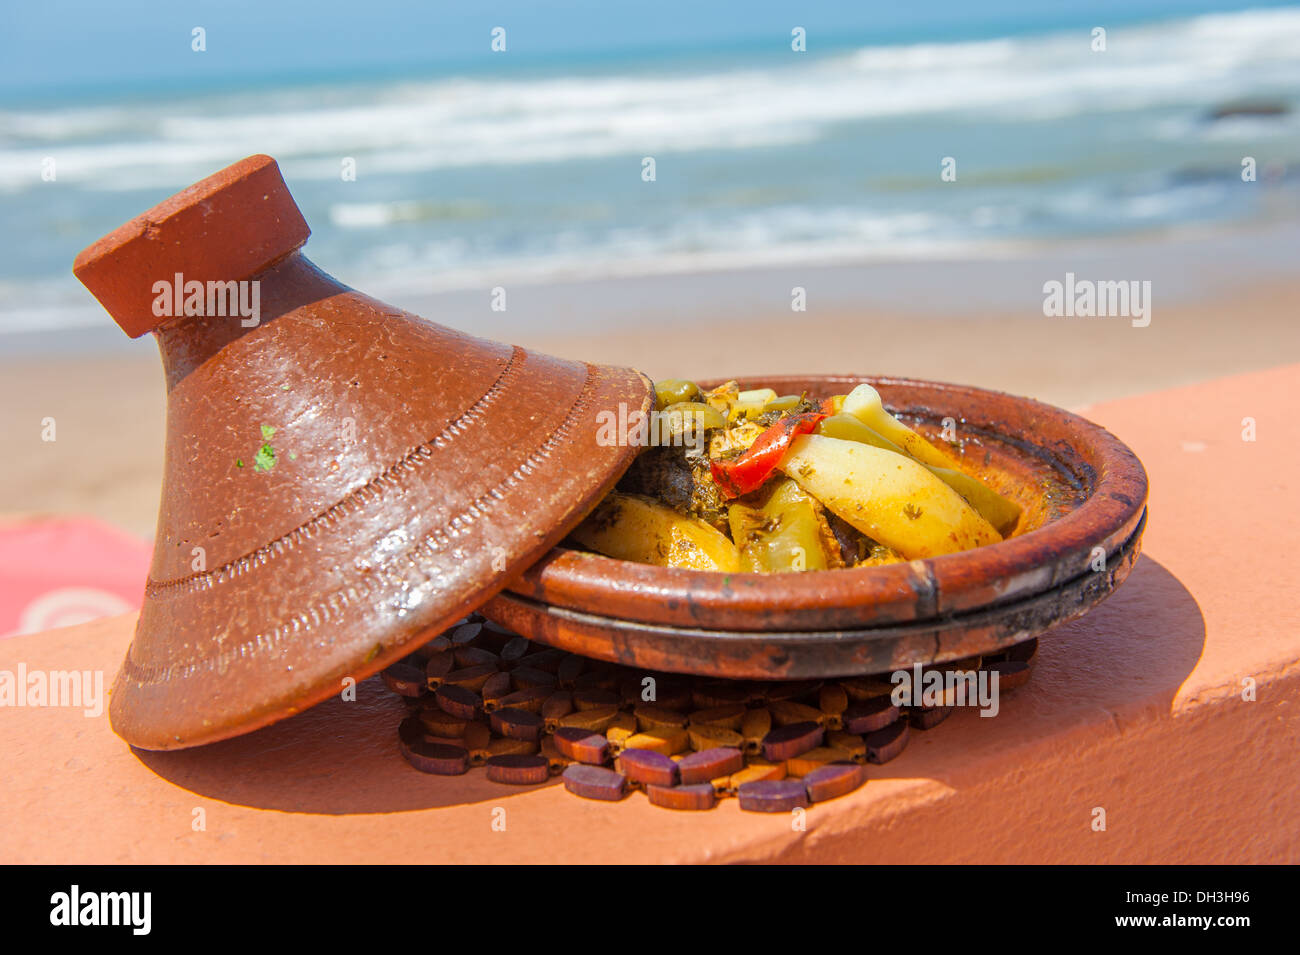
[(225, 228)]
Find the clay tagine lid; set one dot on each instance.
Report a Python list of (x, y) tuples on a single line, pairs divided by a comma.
[(343, 479)]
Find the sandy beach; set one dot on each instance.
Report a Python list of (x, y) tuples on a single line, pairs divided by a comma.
[(109, 406)]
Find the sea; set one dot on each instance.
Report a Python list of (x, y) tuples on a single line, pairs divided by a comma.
[(689, 160)]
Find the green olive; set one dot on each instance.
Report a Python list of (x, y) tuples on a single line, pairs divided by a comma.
[(673, 391), (693, 416)]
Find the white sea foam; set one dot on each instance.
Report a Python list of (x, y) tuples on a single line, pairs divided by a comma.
[(410, 126), (781, 236)]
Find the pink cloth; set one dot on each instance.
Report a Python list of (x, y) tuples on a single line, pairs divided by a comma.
[(59, 571)]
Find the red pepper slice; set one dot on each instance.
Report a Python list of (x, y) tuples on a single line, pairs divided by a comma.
[(747, 472)]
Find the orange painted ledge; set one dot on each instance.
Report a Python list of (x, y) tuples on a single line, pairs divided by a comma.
[(1136, 709)]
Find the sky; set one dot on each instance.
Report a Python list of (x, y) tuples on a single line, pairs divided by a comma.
[(97, 49)]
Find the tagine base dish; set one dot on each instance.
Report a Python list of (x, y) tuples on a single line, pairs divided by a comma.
[(1083, 499)]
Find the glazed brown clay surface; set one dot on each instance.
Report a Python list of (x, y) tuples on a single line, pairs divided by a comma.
[(342, 478), (790, 655), (1083, 494)]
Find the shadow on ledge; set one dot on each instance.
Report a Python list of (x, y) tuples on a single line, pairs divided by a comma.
[(1131, 653)]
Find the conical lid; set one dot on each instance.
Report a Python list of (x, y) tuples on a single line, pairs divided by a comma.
[(343, 479)]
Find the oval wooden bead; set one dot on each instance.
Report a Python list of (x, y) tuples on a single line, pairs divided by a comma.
[(730, 717), (786, 741), (594, 782), (756, 772), (556, 759), (495, 689), (581, 744), (785, 712), (653, 715), (409, 730), (478, 741), (465, 634), (518, 770), (405, 680), (436, 645), (437, 666), (516, 723), (833, 781), (505, 746), (663, 739), (474, 656), (709, 764), (772, 795), (711, 737), (755, 724), (833, 701), (619, 730), (647, 767), (597, 720), (850, 743), (471, 678), (513, 651), (884, 745), (697, 796), (438, 722), (805, 763), (559, 704), (437, 758), (870, 715), (459, 701)]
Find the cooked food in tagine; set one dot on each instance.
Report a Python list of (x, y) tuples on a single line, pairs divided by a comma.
[(753, 481)]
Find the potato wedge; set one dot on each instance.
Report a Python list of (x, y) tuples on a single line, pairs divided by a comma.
[(757, 395), (787, 533), (632, 527), (999, 511), (849, 428), (890, 498), (1003, 513), (864, 403), (783, 403)]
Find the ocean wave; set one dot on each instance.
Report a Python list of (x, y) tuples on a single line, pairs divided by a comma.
[(420, 126), (405, 268), (789, 235), (371, 215)]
